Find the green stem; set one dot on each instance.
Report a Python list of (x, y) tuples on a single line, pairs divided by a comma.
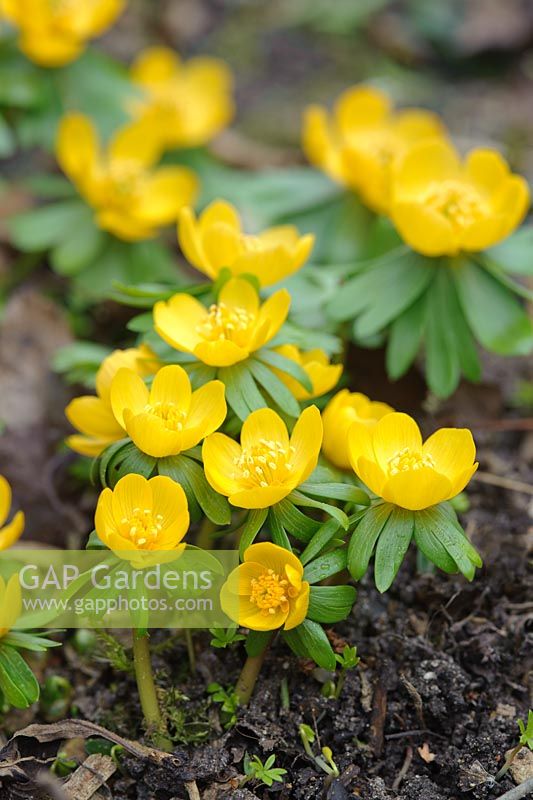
[(187, 633), (147, 691), (203, 539), (508, 761), (249, 674), (340, 684), (423, 564)]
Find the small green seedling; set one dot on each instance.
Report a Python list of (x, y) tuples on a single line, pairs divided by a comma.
[(348, 659), (525, 740), (266, 773), (63, 765), (56, 695), (223, 637), (325, 761), (229, 703)]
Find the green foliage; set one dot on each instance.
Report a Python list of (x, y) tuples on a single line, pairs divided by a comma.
[(309, 640), (526, 731), (18, 684), (224, 637), (229, 703), (266, 773)]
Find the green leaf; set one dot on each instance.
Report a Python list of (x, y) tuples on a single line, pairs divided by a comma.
[(277, 531), (254, 522), (326, 565), (214, 505), (405, 336), (102, 462), (451, 536), (257, 642), (35, 642), (7, 140), (309, 640), (129, 459), (364, 538), (277, 390), (47, 225), (515, 254), (307, 502), (299, 525), (320, 540), (442, 359), (392, 546), (336, 491), (496, 317), (172, 467), (287, 365), (429, 544), (403, 283), (142, 323), (79, 248), (232, 378), (330, 603), (17, 682)]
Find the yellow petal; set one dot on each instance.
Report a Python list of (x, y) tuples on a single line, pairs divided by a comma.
[(392, 434), (190, 242), (5, 499), (124, 225), (222, 246), (104, 519), (166, 192), (150, 434), (50, 49), (320, 144), (307, 440), (12, 532), (360, 443), (486, 169), (88, 446), (427, 161), (206, 414), (77, 145), (361, 106), (11, 606), (323, 378), (219, 211), (298, 608), (219, 454), (154, 65), (171, 385), (177, 319), (133, 144), (170, 501), (94, 418), (461, 480), (452, 451), (261, 496), (128, 391), (424, 229), (101, 15), (413, 124), (274, 312), (131, 492), (273, 557), (370, 473), (513, 201), (222, 353), (416, 489), (265, 425), (238, 293)]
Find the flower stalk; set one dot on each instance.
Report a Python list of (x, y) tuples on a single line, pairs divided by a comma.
[(147, 691), (249, 674)]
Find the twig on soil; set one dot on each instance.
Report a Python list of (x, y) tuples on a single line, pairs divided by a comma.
[(503, 483), (416, 732), (192, 790), (404, 770), (377, 722), (519, 791), (415, 697)]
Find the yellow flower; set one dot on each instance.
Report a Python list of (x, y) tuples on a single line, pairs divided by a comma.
[(183, 104), (266, 466), (227, 332), (392, 461), (10, 603), (55, 32), (359, 144), (169, 417), (93, 416), (11, 532), (215, 240), (323, 375), (341, 412), (266, 592), (143, 516), (131, 199), (441, 206)]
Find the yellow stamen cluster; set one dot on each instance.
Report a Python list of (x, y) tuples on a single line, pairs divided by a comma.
[(460, 204), (406, 460), (225, 323), (270, 592), (172, 416), (142, 527), (265, 464)]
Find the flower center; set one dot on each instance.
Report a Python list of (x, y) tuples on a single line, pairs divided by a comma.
[(223, 323), (172, 416), (406, 460), (142, 528), (265, 464), (458, 202), (270, 592)]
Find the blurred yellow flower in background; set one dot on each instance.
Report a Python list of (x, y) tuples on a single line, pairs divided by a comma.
[(10, 533), (185, 104), (227, 332), (361, 141), (169, 417), (215, 240), (267, 465), (93, 416), (144, 516), (341, 412), (10, 603), (55, 32), (131, 198), (266, 592), (441, 206), (323, 375), (392, 461)]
